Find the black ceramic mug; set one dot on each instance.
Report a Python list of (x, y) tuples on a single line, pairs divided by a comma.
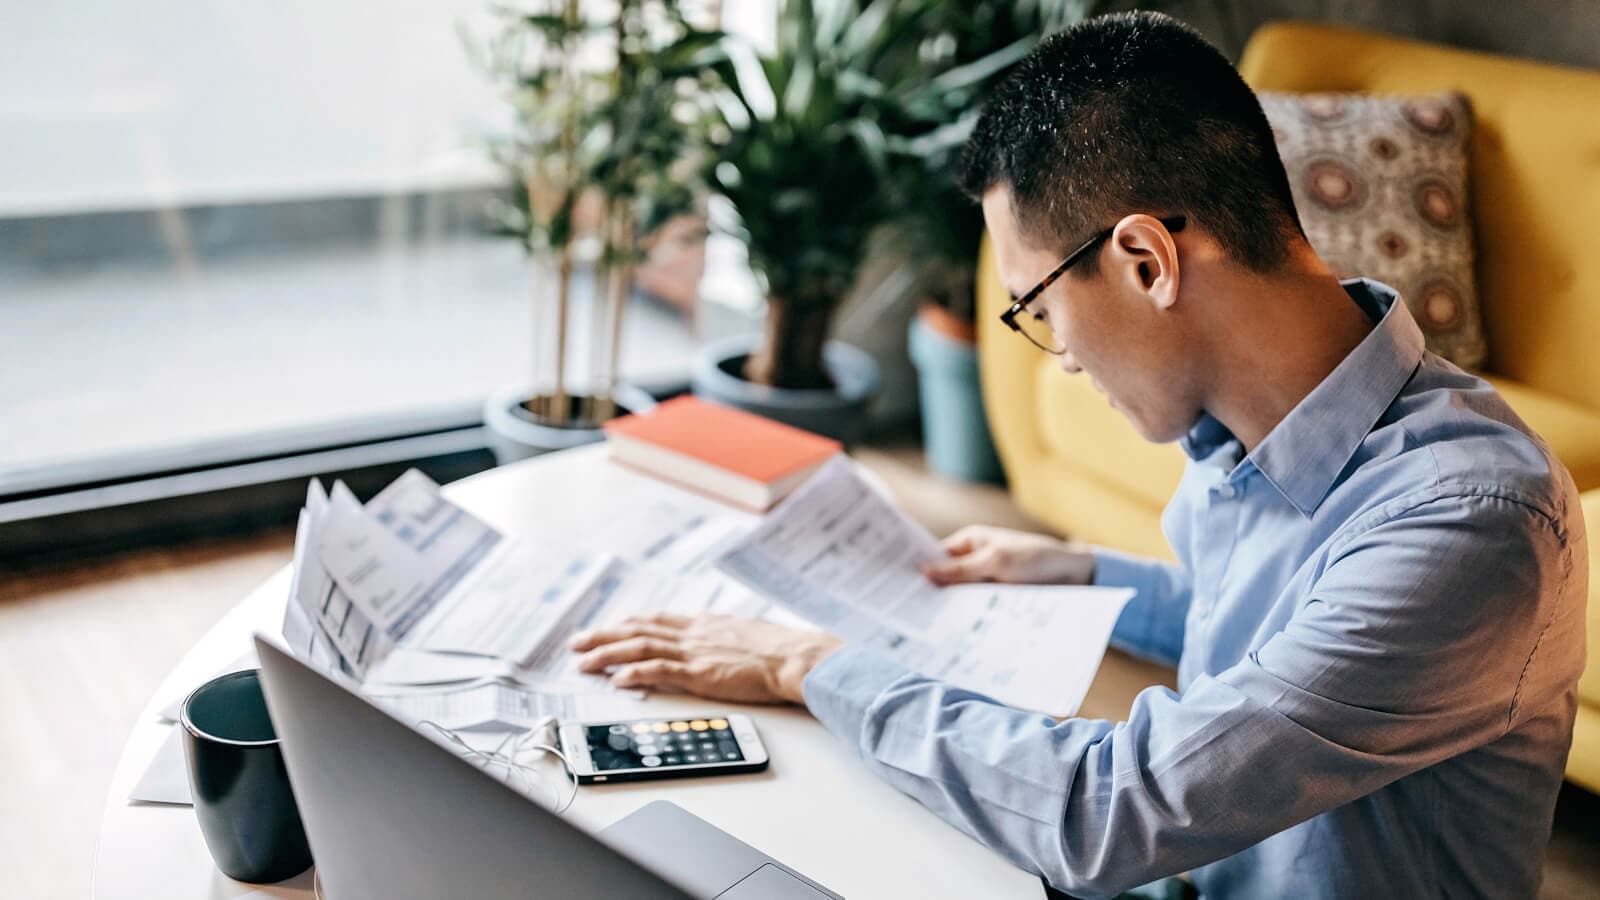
[(240, 786)]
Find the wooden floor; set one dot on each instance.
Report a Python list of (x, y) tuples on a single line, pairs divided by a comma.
[(81, 650)]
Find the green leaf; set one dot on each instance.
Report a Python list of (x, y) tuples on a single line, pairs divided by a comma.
[(867, 31), (797, 94), (942, 141), (869, 136), (981, 70), (832, 19), (697, 48)]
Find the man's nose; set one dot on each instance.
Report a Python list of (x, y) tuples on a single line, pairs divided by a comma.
[(1069, 364)]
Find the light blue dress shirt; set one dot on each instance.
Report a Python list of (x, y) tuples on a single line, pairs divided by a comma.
[(1378, 622)]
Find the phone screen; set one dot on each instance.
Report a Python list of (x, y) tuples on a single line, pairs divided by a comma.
[(653, 743)]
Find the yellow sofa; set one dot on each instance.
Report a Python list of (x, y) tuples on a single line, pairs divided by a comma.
[(1076, 464)]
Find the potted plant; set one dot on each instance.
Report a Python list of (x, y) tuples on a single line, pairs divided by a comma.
[(816, 155), (603, 150), (968, 44), (800, 160)]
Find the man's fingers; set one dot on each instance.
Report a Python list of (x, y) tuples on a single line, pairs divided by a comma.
[(654, 673), (621, 631), (630, 650), (964, 541), (961, 569), (960, 549), (660, 620)]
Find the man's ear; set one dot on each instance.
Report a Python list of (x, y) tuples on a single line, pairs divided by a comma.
[(1143, 252)]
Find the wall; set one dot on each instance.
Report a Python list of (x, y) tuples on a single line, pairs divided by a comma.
[(1560, 31)]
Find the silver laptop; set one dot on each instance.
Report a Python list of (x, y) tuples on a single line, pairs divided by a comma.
[(393, 813)]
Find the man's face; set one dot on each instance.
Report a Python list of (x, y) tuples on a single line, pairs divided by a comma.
[(1110, 325)]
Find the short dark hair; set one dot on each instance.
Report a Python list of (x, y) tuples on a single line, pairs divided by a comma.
[(1133, 112)]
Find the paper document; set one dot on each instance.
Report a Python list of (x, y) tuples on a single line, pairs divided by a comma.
[(667, 536), (675, 557), (487, 706), (511, 607), (166, 778), (410, 568), (410, 594), (405, 667), (844, 557), (502, 706), (322, 624), (400, 571)]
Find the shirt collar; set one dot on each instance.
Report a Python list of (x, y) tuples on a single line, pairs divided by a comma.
[(1303, 455)]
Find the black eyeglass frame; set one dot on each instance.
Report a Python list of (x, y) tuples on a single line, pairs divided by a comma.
[(1173, 224)]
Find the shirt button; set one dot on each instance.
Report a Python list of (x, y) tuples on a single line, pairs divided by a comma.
[(1227, 491)]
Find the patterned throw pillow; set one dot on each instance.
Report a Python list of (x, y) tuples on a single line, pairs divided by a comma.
[(1381, 187)]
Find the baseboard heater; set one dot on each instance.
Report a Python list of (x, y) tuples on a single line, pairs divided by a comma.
[(77, 510)]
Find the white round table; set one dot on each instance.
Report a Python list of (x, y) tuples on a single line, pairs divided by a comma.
[(817, 809)]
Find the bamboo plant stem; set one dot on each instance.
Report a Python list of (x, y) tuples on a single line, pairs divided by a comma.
[(600, 290), (558, 395), (621, 286), (610, 298), (618, 232), (562, 411), (538, 289)]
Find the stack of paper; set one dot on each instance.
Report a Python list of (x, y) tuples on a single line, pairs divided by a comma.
[(390, 582), (413, 590)]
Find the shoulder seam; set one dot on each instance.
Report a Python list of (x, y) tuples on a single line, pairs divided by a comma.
[(1407, 503), (1522, 676)]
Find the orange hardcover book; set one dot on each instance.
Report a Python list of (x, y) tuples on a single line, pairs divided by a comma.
[(736, 456)]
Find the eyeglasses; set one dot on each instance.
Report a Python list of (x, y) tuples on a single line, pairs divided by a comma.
[(1034, 327)]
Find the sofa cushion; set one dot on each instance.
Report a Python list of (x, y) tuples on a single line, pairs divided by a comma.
[(1077, 424), (1571, 431), (1381, 187)]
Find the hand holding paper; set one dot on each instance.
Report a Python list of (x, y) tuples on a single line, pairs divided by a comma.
[(986, 553), (843, 556)]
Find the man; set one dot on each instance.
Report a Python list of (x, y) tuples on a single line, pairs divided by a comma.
[(1377, 616)]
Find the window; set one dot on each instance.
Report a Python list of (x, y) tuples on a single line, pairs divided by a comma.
[(230, 231)]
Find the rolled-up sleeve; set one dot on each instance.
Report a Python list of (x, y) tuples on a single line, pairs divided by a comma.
[(1409, 650), (1151, 625)]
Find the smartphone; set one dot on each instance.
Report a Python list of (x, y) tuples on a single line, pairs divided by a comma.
[(645, 749)]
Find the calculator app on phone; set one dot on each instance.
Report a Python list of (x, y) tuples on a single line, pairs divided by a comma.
[(660, 748)]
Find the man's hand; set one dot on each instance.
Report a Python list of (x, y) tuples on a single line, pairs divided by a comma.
[(986, 553), (716, 656)]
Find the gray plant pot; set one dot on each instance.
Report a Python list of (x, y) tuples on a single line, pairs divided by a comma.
[(513, 436), (840, 413)]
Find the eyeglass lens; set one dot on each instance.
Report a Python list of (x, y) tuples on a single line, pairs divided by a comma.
[(1036, 329)]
